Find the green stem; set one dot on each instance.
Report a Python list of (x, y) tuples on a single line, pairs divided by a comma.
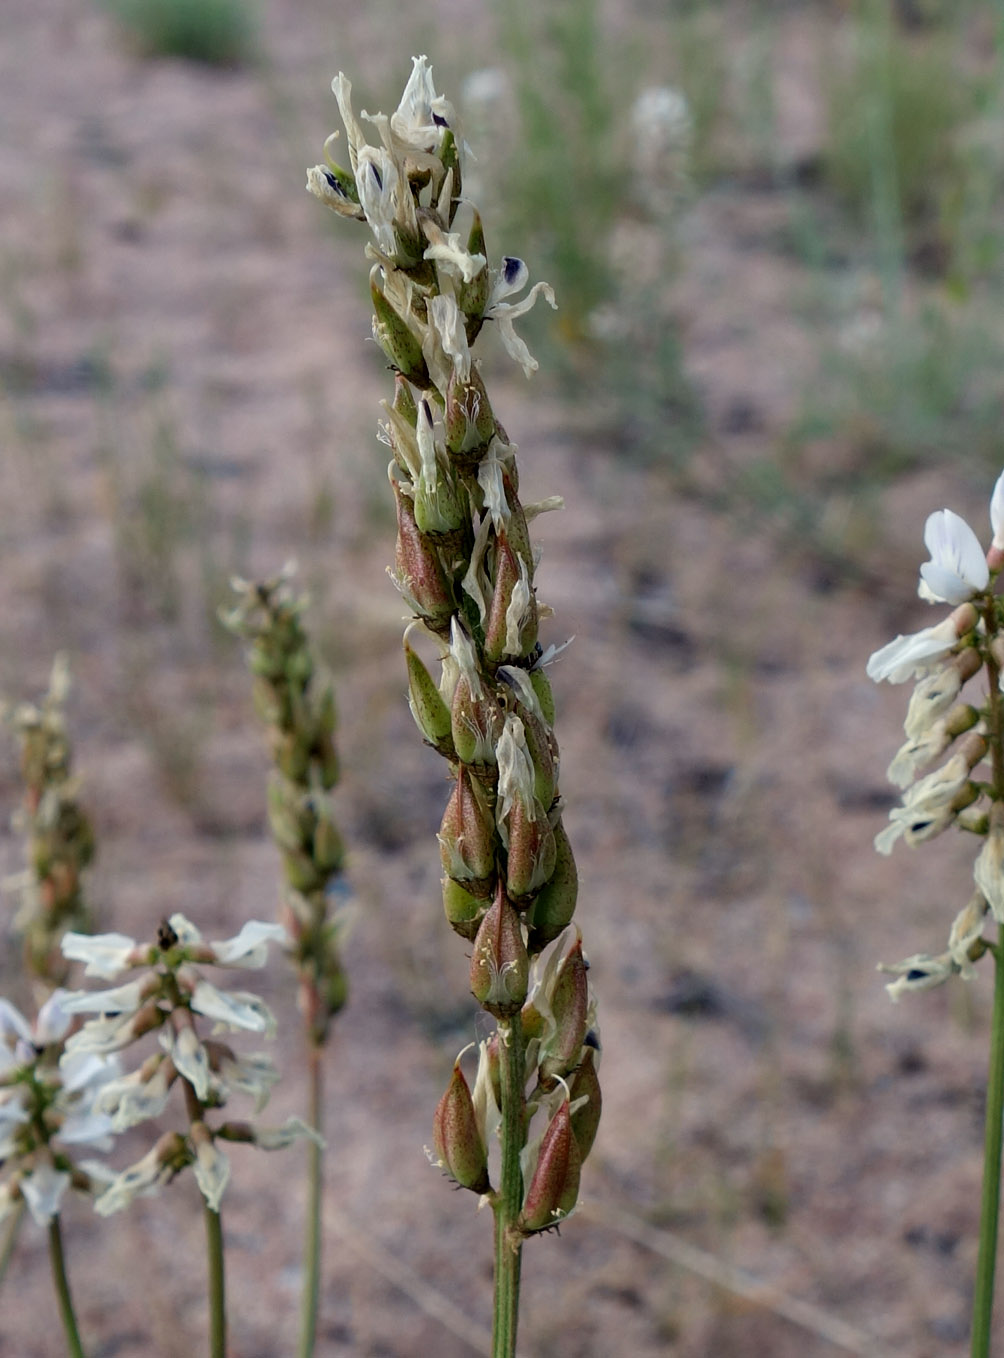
[(509, 1200), (10, 1238), (217, 1284), (983, 1300), (315, 1185), (62, 1285)]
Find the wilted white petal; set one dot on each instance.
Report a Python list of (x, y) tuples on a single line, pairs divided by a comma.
[(87, 1128), (123, 999), (53, 1019), (105, 954), (102, 1035), (43, 1191), (254, 1074), (249, 947), (14, 1027), (212, 1171), (512, 278), (143, 1177), (967, 927), (236, 1009), (908, 656), (186, 932), (278, 1138), (958, 567), (81, 1071), (997, 513), (190, 1060)]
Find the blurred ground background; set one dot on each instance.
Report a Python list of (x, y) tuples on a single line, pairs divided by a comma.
[(779, 347)]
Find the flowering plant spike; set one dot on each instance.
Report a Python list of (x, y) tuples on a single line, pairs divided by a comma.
[(465, 567), (951, 771)]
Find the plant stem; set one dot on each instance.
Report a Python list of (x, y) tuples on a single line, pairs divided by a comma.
[(315, 1184), (983, 1299), (10, 1239), (217, 1285), (62, 1285), (509, 1200)]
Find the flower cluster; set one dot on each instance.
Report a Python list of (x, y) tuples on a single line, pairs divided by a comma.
[(49, 1106), (465, 566), (942, 659), (167, 996), (297, 704), (57, 832)]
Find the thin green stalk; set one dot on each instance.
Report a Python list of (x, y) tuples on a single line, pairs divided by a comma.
[(509, 1200), (315, 1184), (62, 1285), (10, 1238), (217, 1285), (983, 1300)]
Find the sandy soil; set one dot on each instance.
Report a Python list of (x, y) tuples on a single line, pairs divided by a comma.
[(183, 340)]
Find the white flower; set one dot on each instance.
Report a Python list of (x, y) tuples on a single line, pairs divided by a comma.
[(912, 655), (43, 1191), (278, 1138), (988, 871), (919, 972), (135, 1097), (967, 927), (248, 948), (927, 807), (121, 1000), (254, 1075), (958, 567), (212, 1170), (235, 1009), (997, 513), (379, 194), (513, 277), (446, 334), (931, 699), (144, 1177), (105, 954), (185, 931), (190, 1060), (422, 114)]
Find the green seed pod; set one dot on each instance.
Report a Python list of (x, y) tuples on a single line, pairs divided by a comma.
[(543, 750), (470, 424), (432, 716), (531, 857), (418, 570), (394, 337), (463, 910), (554, 907), (586, 1120), (457, 1139), (467, 836), (500, 967), (554, 1188), (473, 296), (449, 154), (569, 1000), (542, 688)]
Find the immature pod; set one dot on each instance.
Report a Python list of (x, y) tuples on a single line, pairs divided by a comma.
[(586, 1118), (432, 716), (569, 1004), (456, 1136), (554, 906), (511, 626), (470, 424), (500, 967), (464, 910), (472, 297), (467, 836), (395, 338), (531, 854), (554, 1188), (418, 571)]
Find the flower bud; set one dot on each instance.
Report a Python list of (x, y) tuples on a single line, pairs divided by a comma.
[(569, 1004), (395, 338), (554, 907), (586, 1119), (457, 1139), (438, 508), (418, 571), (467, 837), (463, 910), (500, 967), (554, 1188), (473, 297), (432, 716), (476, 721)]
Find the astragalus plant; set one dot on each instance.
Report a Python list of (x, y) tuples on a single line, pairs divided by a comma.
[(465, 567), (964, 727)]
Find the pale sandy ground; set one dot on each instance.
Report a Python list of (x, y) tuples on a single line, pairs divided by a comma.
[(722, 751)]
